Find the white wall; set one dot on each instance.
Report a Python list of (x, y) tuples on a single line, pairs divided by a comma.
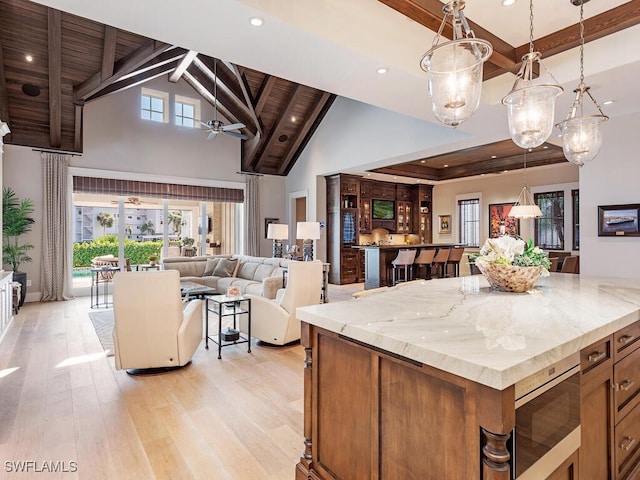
[(504, 188), (611, 179), (117, 140)]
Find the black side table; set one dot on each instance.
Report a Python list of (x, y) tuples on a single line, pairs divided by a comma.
[(101, 276), (225, 306)]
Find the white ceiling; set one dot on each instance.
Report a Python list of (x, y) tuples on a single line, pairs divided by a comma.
[(337, 45)]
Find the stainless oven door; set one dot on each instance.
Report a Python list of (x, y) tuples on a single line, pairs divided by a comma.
[(547, 428)]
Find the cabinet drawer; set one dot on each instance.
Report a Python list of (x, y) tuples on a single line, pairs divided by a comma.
[(595, 354), (626, 340), (626, 384), (627, 443), (349, 260)]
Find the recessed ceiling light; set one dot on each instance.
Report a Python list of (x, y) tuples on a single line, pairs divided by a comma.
[(256, 21), (422, 161), (381, 70), (368, 174), (445, 165), (28, 58), (293, 119), (494, 156), (508, 3), (607, 102), (545, 146), (395, 178)]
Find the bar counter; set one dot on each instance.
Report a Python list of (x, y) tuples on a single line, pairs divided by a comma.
[(378, 258)]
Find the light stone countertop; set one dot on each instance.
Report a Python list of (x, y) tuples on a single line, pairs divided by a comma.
[(461, 326)]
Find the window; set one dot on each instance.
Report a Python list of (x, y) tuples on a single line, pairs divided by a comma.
[(575, 205), (549, 229), (187, 111), (153, 106), (469, 215)]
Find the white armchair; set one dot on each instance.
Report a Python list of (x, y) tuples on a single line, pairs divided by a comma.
[(153, 328), (275, 321)]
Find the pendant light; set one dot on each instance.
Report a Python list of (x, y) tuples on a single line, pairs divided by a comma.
[(531, 102), (581, 134), (454, 68), (525, 207)]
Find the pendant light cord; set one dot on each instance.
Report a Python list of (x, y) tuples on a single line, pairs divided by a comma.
[(531, 26), (525, 168), (582, 43)]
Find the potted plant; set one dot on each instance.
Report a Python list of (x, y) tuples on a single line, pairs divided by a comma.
[(16, 221), (153, 259)]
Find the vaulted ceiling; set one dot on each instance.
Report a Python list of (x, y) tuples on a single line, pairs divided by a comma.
[(92, 59), (76, 60)]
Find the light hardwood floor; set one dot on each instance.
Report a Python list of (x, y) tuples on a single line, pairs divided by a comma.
[(63, 401)]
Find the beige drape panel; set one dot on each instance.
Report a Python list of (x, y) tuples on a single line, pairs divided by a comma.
[(55, 267), (252, 215), (228, 246)]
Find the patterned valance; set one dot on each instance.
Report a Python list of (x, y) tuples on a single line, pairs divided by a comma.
[(113, 186)]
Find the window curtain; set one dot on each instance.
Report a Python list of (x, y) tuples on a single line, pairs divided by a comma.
[(55, 267), (228, 221), (252, 215)]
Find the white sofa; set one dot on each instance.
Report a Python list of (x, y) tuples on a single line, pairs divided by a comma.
[(153, 328), (259, 276)]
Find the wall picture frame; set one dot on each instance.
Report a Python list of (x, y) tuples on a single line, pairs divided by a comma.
[(444, 224), (500, 223), (268, 221), (618, 220)]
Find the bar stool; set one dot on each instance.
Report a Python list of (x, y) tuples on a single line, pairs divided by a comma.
[(425, 259), (554, 264), (404, 259), (569, 264), (440, 261), (455, 255)]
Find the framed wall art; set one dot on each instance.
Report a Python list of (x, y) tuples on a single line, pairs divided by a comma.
[(500, 223), (444, 224), (618, 220)]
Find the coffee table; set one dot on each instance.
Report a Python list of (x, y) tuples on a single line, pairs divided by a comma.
[(195, 290)]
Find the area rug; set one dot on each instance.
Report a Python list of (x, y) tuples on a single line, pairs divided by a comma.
[(103, 324)]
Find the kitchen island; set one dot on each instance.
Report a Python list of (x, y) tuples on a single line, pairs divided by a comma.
[(420, 381), (378, 258)]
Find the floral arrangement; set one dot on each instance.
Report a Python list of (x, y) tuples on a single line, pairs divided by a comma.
[(508, 250), (511, 264)]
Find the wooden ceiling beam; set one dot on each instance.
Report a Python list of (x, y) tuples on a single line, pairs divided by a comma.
[(124, 66), (429, 14), (108, 51), (77, 131), (54, 32), (206, 65), (133, 80), (245, 93), (186, 61), (313, 119), (203, 85), (284, 113), (607, 23), (265, 91), (4, 98)]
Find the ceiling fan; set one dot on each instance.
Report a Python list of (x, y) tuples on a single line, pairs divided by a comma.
[(215, 126)]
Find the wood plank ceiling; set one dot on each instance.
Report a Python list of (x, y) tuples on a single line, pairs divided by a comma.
[(43, 105)]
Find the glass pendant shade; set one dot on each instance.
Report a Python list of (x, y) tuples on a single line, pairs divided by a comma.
[(455, 78), (531, 106), (581, 138), (454, 69)]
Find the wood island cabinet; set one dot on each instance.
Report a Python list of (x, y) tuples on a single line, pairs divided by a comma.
[(610, 411)]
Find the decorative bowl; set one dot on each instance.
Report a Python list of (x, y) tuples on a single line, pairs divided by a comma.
[(510, 278)]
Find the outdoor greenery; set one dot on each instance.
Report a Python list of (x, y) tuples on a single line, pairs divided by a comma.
[(105, 220), (138, 252), (147, 228), (16, 221), (176, 221)]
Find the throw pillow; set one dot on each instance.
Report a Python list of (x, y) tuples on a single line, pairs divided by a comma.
[(210, 266), (225, 268)]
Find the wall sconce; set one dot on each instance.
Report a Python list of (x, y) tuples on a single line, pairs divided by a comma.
[(307, 232), (277, 232)]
